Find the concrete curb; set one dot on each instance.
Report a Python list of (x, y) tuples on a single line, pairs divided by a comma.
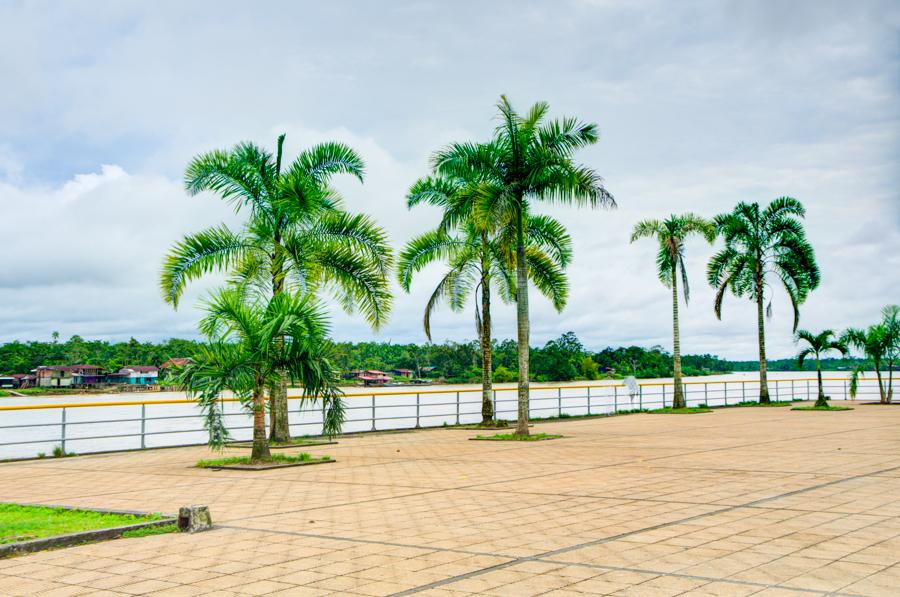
[(70, 539)]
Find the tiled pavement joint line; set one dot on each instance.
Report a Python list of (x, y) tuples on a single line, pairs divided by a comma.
[(876, 571), (712, 513), (420, 493), (692, 577), (467, 552), (571, 548), (786, 584), (475, 486), (513, 560)]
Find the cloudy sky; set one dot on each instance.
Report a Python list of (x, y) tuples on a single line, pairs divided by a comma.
[(700, 105)]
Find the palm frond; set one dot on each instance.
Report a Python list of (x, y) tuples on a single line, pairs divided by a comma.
[(323, 160), (213, 249), (426, 248), (548, 277)]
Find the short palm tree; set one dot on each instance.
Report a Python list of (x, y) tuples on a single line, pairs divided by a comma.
[(671, 234), (251, 342), (297, 236), (816, 346), (478, 253), (763, 244), (880, 343), (529, 158)]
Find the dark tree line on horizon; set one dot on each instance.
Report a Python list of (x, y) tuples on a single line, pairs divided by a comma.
[(562, 359)]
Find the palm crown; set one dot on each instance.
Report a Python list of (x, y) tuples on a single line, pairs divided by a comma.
[(297, 234), (671, 234), (818, 344), (529, 157), (760, 243), (471, 260)]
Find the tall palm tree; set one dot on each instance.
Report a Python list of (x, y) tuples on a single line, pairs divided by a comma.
[(881, 344), (297, 236), (671, 234), (530, 158), (816, 346), (478, 254), (763, 244), (251, 343)]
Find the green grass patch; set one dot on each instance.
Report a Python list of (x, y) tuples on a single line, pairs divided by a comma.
[(751, 403), (821, 408), (512, 437), (24, 523), (680, 411), (147, 531), (48, 391), (276, 458)]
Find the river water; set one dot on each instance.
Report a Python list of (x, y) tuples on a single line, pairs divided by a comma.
[(26, 433)]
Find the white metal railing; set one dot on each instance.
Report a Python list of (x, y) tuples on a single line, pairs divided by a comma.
[(27, 429)]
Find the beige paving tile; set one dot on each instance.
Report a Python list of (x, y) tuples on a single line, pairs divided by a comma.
[(742, 501)]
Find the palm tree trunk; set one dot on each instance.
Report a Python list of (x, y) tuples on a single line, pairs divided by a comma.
[(678, 394), (487, 408), (820, 400), (280, 431), (260, 451), (881, 391), (279, 428), (522, 323), (890, 384), (761, 323)]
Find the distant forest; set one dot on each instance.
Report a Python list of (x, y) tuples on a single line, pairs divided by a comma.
[(562, 359)]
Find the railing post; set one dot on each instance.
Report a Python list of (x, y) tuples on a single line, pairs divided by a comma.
[(143, 425), (664, 395), (705, 394), (495, 406), (807, 389), (640, 397), (725, 392), (589, 400), (743, 391), (559, 401), (373, 412), (615, 400), (457, 408), (845, 389), (777, 395), (792, 389), (417, 410), (63, 432)]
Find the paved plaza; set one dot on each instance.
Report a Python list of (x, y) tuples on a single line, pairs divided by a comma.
[(742, 501)]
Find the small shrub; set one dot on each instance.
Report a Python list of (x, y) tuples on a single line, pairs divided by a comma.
[(41, 455)]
